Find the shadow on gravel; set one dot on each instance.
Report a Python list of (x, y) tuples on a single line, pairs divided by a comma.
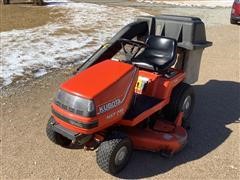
[(217, 105)]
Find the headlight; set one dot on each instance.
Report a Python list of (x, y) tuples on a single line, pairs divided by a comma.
[(75, 104)]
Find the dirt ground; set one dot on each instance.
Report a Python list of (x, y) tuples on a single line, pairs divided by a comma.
[(22, 16), (213, 150)]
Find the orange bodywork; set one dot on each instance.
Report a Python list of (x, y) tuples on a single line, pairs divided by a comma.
[(94, 82), (159, 87), (111, 81), (164, 137), (104, 82)]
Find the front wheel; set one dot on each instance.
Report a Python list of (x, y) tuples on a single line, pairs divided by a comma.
[(113, 155), (56, 137)]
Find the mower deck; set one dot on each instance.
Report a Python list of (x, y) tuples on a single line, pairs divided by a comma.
[(164, 136)]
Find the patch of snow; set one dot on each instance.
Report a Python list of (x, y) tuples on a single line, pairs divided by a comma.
[(84, 28), (205, 3)]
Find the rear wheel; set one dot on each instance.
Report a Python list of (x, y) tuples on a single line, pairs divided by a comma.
[(233, 21), (182, 99), (56, 137), (113, 155)]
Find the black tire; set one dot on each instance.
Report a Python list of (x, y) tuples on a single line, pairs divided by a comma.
[(233, 21), (181, 95), (56, 137), (108, 154)]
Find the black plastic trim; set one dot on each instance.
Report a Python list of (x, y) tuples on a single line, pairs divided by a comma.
[(65, 132), (84, 125), (107, 51), (141, 104)]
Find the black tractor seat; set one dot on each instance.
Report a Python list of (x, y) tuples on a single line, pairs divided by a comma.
[(159, 55)]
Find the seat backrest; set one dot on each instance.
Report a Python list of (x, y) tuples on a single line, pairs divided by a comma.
[(160, 53), (161, 43)]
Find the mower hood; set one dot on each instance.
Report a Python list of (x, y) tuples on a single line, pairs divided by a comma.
[(108, 76)]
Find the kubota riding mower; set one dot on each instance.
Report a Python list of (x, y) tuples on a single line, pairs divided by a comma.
[(142, 101)]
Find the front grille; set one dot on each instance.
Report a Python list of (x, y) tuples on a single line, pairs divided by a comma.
[(84, 125)]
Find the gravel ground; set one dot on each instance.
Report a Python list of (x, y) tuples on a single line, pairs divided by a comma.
[(211, 16), (213, 150), (30, 17)]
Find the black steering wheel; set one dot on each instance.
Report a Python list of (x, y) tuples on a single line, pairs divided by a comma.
[(130, 53)]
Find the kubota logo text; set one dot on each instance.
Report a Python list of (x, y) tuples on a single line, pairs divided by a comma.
[(107, 107)]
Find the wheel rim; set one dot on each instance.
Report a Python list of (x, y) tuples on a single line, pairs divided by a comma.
[(187, 105), (121, 155)]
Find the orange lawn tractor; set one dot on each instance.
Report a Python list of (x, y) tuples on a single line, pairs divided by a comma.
[(133, 93)]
